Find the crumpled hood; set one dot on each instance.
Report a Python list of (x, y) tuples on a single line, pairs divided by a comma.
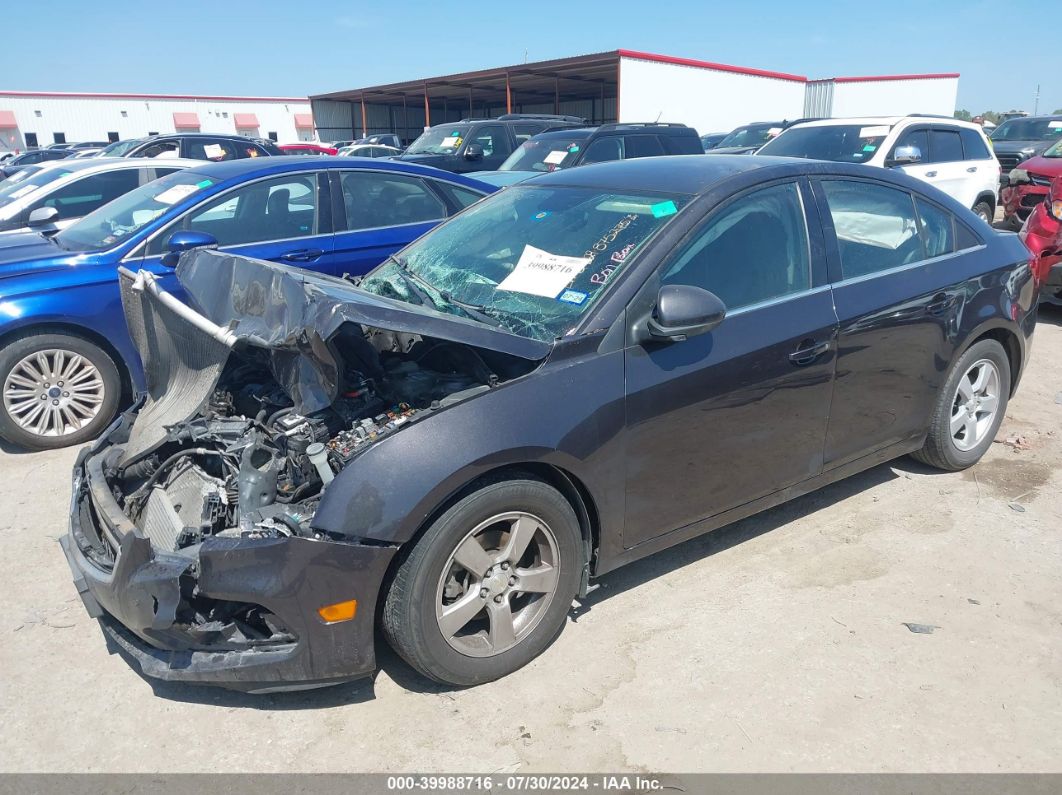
[(294, 313), (29, 252)]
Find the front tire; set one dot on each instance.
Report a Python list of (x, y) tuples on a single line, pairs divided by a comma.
[(970, 408), (984, 211), (488, 586), (58, 390)]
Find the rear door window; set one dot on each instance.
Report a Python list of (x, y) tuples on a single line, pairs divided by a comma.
[(945, 146), (973, 145), (938, 228), (643, 146), (524, 130), (875, 225), (493, 139), (375, 199)]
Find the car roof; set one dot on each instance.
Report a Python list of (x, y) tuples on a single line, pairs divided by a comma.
[(889, 121), (280, 164), (679, 174), (1045, 117), (581, 132), (115, 163), (668, 174), (226, 136)]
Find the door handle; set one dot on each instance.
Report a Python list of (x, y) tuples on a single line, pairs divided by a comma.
[(808, 352), (302, 255), (972, 169), (940, 304), (931, 173)]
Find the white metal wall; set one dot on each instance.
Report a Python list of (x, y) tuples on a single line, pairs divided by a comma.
[(90, 118), (707, 99), (895, 97)]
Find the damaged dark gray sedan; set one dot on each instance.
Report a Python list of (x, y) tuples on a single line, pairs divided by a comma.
[(572, 374)]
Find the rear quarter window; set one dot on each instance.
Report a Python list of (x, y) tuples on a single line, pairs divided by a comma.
[(973, 145), (682, 144)]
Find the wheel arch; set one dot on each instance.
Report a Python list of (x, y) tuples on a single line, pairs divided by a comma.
[(569, 485), (74, 330), (986, 196), (1011, 343)]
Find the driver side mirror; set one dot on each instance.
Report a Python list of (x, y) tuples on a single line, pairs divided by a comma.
[(186, 240), (42, 216), (906, 156), (684, 311), (473, 152)]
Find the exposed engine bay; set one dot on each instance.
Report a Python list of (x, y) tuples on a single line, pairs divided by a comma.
[(249, 465)]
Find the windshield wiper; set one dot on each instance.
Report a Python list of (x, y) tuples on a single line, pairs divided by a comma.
[(419, 285)]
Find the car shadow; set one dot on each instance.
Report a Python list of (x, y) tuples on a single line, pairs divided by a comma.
[(1050, 314)]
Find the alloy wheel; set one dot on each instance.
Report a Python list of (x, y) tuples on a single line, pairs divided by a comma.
[(974, 407), (53, 392), (497, 584)]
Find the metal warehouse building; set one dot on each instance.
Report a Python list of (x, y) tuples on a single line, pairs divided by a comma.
[(626, 86), (29, 119)]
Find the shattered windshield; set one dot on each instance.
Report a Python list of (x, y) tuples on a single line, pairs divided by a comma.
[(442, 140), (122, 218), (530, 259)]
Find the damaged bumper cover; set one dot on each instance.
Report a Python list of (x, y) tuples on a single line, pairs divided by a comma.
[(137, 597)]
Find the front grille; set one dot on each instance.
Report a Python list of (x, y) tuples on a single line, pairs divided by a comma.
[(1041, 180), (1031, 199), (1007, 162)]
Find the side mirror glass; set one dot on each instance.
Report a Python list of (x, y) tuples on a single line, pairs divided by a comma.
[(473, 152), (186, 240), (906, 155), (42, 216), (684, 311)]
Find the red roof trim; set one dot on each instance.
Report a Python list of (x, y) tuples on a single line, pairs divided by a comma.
[(205, 98), (719, 67), (880, 78)]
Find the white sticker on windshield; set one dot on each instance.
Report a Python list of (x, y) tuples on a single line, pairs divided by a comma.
[(874, 132), (774, 131), (214, 151), (175, 194), (446, 143), (540, 273), (1055, 125), (555, 158)]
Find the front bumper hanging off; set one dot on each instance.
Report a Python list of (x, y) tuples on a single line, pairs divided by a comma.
[(137, 598)]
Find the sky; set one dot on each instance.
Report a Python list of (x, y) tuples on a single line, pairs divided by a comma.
[(272, 48)]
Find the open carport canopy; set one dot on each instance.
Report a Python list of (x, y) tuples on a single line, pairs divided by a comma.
[(584, 85)]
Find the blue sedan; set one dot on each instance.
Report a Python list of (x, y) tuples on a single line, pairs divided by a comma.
[(66, 359)]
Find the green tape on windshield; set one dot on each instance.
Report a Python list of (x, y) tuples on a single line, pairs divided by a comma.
[(664, 208), (206, 183)]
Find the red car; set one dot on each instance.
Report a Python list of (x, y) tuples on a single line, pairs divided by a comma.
[(1042, 234), (307, 149), (1029, 183)]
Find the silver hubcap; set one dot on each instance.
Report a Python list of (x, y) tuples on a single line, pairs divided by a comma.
[(976, 402), (53, 392), (497, 584)]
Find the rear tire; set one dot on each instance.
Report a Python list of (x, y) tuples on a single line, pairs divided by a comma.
[(457, 610), (970, 408), (58, 390), (984, 210)]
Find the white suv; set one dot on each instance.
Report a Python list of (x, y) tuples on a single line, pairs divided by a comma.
[(953, 156)]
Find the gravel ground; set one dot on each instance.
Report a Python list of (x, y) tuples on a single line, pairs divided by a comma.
[(777, 644)]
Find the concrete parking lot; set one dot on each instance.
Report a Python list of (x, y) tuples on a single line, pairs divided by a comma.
[(777, 644)]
